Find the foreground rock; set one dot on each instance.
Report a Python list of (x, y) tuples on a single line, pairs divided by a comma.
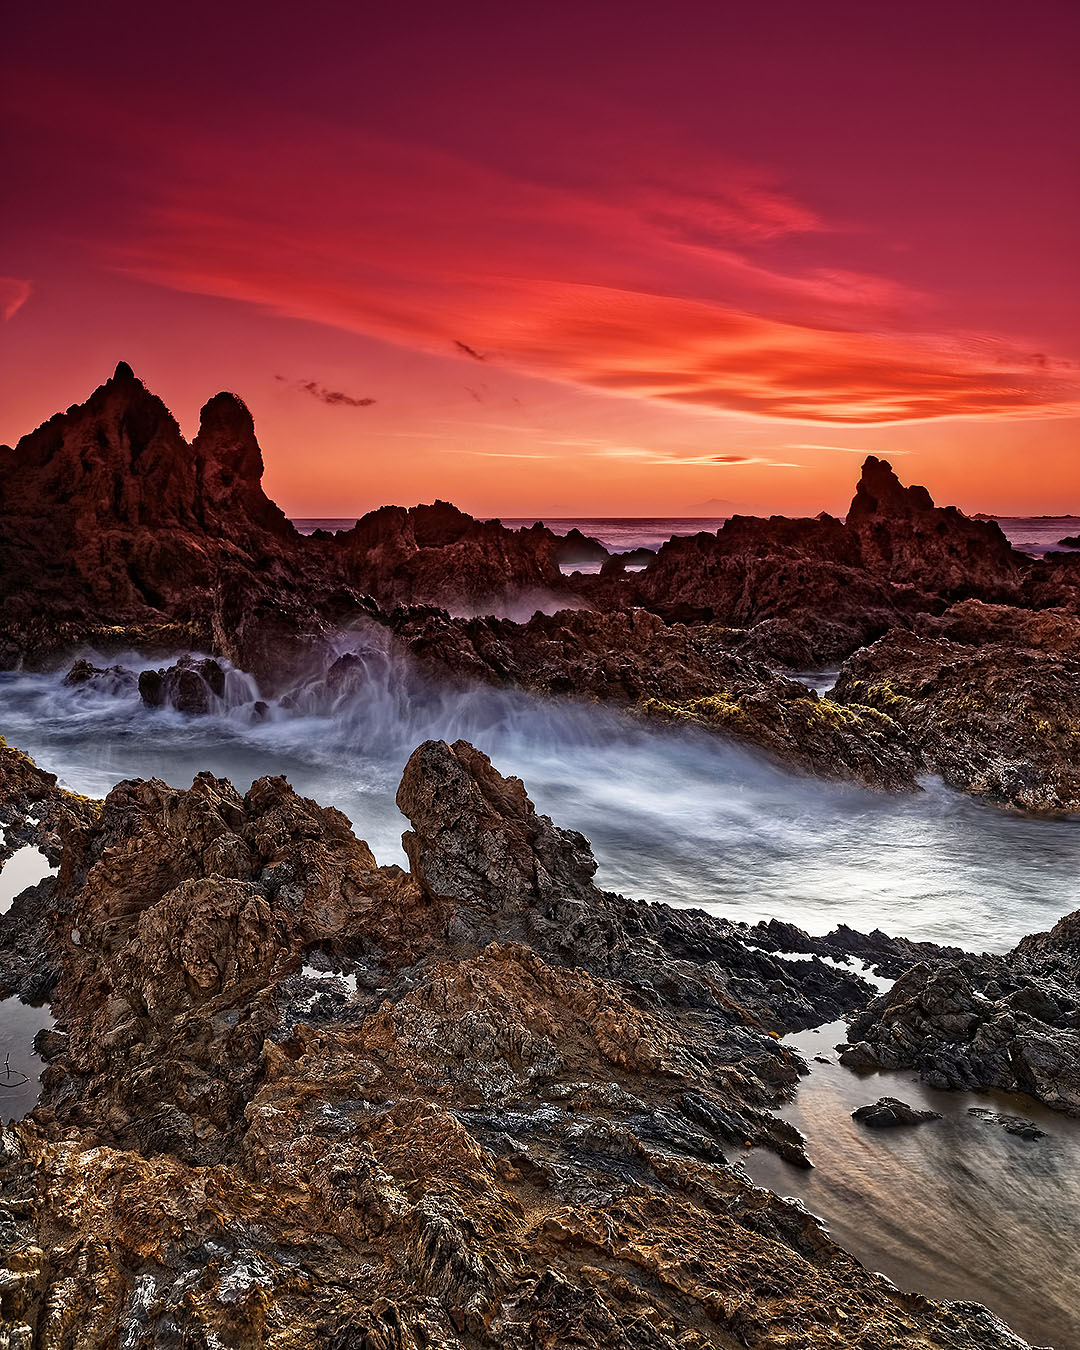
[(506, 1128), (1009, 1022)]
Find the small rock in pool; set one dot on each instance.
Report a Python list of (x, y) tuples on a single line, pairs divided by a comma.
[(1024, 1129), (889, 1111)]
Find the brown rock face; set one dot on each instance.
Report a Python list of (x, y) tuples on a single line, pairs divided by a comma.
[(812, 591), (902, 535), (514, 1143), (997, 720)]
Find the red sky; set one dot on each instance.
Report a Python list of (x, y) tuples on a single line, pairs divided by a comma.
[(599, 258)]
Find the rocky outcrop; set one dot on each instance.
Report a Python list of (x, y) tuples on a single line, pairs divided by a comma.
[(117, 533), (889, 1112), (669, 672), (809, 592), (998, 720), (1009, 1022), (505, 1128), (902, 535), (34, 812)]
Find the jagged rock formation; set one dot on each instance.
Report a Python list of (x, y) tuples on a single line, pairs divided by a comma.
[(114, 530), (1010, 1022), (506, 1128), (189, 686), (116, 533), (1000, 720), (812, 591), (673, 672)]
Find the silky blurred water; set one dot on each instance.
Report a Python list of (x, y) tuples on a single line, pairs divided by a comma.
[(956, 1208), (679, 816)]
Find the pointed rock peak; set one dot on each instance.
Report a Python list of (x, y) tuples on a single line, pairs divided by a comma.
[(880, 492), (123, 372), (477, 838)]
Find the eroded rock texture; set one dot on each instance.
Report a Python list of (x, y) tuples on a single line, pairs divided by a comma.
[(117, 534), (1010, 1022), (502, 1123), (997, 719)]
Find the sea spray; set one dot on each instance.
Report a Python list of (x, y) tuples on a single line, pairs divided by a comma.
[(676, 815)]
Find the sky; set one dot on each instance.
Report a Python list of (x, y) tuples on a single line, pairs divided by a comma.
[(600, 258)]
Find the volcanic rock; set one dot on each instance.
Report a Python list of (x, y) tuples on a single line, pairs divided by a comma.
[(1010, 1022), (483, 1142), (670, 672), (889, 1112), (1017, 1125), (192, 686), (996, 720)]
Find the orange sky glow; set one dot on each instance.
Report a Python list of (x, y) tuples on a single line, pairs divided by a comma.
[(590, 262)]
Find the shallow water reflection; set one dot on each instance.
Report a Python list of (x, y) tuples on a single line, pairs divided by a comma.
[(956, 1208), (20, 1066)]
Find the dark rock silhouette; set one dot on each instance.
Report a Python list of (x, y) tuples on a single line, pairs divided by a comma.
[(889, 1112)]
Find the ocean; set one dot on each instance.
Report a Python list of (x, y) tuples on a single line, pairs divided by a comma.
[(622, 534)]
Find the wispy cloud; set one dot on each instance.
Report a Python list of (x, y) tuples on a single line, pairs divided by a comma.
[(334, 398), (657, 291), (641, 455), (507, 454), (844, 449), (14, 293)]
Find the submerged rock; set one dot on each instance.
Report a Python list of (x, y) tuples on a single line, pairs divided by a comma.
[(1023, 1129)]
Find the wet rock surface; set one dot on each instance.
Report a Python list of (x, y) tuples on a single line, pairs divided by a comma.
[(889, 1112), (1010, 1022), (507, 1127), (678, 673), (1017, 1125), (190, 686), (997, 720), (118, 535)]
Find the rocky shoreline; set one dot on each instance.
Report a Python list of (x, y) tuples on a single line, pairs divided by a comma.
[(293, 1097), (958, 655)]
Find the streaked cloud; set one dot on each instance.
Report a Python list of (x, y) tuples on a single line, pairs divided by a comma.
[(844, 449), (14, 293), (333, 398), (659, 290)]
